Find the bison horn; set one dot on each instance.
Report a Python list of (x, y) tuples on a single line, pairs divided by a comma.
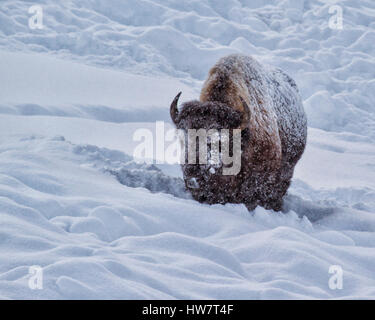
[(246, 112), (174, 109)]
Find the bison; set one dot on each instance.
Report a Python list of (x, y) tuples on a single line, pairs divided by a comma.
[(265, 105)]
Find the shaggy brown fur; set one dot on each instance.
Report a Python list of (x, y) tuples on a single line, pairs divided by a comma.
[(265, 104)]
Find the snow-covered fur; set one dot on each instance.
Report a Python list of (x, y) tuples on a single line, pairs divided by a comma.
[(265, 104)]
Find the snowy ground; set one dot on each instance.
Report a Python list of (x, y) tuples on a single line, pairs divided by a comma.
[(73, 202)]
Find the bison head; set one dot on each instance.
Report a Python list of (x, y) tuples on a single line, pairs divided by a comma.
[(209, 127)]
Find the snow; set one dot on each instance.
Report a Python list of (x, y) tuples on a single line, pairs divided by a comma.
[(74, 201), (81, 91)]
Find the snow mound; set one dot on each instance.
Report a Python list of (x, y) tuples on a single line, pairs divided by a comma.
[(96, 238)]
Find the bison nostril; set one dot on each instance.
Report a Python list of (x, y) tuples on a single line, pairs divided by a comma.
[(202, 198)]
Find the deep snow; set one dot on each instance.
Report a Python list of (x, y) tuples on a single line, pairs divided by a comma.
[(73, 201)]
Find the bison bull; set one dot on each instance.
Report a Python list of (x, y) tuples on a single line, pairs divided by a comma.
[(264, 104)]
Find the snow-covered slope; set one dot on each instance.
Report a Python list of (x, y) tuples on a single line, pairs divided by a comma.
[(101, 226), (334, 68), (96, 238)]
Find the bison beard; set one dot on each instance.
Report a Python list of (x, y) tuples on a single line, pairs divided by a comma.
[(264, 103)]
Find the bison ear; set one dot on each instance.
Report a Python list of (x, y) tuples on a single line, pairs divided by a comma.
[(246, 113), (174, 108)]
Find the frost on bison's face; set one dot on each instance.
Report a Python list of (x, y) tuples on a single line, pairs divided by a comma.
[(206, 181)]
